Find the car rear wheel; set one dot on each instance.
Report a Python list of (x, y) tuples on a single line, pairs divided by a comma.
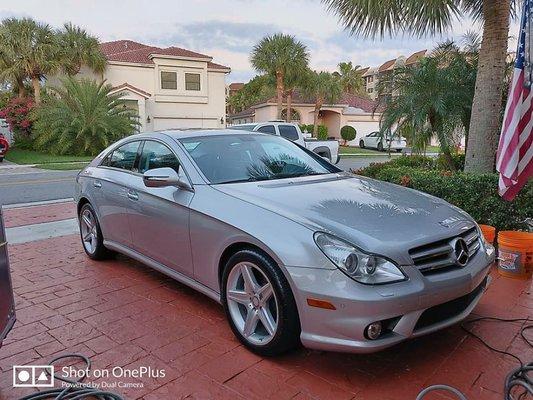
[(259, 304), (362, 144), (91, 234)]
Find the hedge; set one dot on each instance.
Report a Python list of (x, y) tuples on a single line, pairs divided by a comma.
[(322, 130), (477, 194), (348, 133)]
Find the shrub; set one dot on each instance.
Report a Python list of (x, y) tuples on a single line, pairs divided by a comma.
[(17, 115), (458, 160), (477, 194), (348, 133), (82, 118)]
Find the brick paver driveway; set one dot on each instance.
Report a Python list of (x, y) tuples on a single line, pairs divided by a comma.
[(121, 313)]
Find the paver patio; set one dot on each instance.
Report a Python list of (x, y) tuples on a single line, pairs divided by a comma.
[(121, 313)]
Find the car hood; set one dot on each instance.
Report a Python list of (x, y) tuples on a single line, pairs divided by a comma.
[(376, 216)]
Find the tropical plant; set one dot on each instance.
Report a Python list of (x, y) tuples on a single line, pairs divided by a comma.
[(351, 78), (280, 56), (433, 97), (348, 133), (324, 88), (82, 118), (260, 88), (29, 49), (78, 48), (421, 17)]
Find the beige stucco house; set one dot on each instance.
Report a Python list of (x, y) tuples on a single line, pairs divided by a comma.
[(352, 110), (169, 87)]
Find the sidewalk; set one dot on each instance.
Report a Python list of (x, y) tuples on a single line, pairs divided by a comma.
[(121, 313)]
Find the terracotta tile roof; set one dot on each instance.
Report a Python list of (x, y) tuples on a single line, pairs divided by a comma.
[(236, 86), (351, 100), (138, 53), (126, 85), (415, 57), (248, 112), (387, 65), (364, 71)]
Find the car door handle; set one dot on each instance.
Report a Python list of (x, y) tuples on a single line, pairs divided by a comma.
[(133, 196), (97, 184)]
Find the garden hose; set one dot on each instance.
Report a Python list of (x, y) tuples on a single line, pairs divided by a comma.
[(517, 379), (76, 390)]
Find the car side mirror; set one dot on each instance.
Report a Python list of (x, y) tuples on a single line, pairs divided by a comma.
[(163, 177)]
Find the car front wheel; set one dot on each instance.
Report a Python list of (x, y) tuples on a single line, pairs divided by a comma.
[(91, 234), (259, 304), (380, 146)]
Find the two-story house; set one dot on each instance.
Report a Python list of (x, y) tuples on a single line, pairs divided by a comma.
[(169, 87)]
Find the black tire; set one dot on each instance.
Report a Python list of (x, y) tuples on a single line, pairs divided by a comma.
[(1, 159), (380, 146), (100, 252), (362, 144), (287, 336), (398, 150)]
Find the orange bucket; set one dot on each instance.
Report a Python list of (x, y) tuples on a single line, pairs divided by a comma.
[(489, 233), (515, 254)]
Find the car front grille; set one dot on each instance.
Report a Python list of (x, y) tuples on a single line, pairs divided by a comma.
[(439, 256), (450, 309)]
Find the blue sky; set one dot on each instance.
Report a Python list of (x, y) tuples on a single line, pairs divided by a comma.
[(228, 29)]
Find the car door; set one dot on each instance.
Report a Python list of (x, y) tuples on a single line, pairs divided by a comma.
[(110, 191), (372, 140), (159, 217)]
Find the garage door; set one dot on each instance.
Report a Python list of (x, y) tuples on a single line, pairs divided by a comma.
[(185, 123)]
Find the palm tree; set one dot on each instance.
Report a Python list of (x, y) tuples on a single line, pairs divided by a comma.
[(278, 55), (351, 78), (421, 17), (32, 48), (82, 117), (431, 98), (324, 88), (79, 48)]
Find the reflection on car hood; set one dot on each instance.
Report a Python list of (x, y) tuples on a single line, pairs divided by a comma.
[(371, 214)]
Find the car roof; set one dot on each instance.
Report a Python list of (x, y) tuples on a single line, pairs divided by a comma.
[(191, 133)]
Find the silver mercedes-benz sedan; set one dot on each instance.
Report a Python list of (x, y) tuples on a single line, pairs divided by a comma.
[(295, 249)]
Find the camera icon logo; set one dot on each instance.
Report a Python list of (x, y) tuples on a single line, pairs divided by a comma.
[(37, 376)]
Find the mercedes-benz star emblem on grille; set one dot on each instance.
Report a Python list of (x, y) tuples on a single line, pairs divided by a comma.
[(460, 250)]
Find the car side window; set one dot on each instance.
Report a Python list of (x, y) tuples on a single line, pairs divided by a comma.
[(267, 129), (157, 155), (288, 132), (123, 157)]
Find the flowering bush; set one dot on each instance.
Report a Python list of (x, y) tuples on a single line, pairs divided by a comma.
[(17, 114)]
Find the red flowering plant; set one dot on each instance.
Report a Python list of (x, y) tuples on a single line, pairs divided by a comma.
[(17, 115)]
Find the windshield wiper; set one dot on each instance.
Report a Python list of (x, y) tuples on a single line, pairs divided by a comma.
[(251, 179)]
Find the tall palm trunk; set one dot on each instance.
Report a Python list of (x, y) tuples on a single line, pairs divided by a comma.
[(35, 82), (318, 106), (289, 106), (485, 120), (279, 89)]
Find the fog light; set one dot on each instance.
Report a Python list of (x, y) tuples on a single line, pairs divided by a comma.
[(373, 330)]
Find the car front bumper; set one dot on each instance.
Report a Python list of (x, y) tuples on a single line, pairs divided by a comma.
[(418, 306)]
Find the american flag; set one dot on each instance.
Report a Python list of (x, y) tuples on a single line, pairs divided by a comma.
[(515, 151)]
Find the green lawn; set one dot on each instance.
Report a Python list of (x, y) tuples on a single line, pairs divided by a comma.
[(20, 156), (63, 166)]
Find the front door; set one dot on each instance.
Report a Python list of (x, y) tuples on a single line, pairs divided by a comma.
[(159, 217)]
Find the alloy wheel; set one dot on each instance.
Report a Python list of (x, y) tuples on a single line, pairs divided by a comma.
[(252, 303), (89, 231)]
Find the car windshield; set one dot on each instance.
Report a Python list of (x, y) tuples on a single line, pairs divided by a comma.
[(247, 158)]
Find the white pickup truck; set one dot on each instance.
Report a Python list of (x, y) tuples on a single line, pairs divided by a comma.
[(328, 149)]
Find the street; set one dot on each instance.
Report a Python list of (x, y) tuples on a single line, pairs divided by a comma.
[(26, 185)]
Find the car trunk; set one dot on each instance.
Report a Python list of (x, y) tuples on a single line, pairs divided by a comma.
[(7, 302)]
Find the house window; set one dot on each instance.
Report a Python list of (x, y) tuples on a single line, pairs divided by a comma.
[(169, 80), (192, 81)]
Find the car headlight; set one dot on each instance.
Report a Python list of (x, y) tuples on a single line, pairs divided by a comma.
[(365, 268)]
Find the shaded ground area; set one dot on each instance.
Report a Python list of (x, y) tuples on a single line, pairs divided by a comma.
[(122, 313)]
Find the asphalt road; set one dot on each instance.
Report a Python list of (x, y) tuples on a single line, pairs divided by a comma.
[(29, 184)]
